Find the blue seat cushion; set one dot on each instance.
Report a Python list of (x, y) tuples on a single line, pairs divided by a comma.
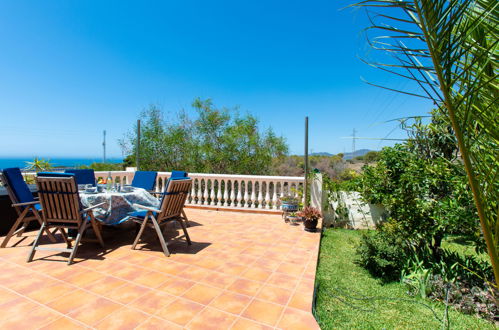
[(17, 184), (139, 214), (83, 176), (178, 174), (145, 179)]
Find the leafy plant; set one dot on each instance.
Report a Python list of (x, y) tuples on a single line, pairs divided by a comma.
[(382, 254), (449, 49), (38, 165), (310, 213), (288, 199)]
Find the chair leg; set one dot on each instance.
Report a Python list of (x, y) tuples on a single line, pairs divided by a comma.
[(77, 242), (23, 228), (144, 222), (65, 238), (14, 228), (185, 218), (160, 236), (39, 219), (35, 243), (96, 229), (185, 232)]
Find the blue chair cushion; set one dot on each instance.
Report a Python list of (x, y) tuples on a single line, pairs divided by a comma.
[(83, 176), (17, 184), (145, 179), (178, 174), (139, 214)]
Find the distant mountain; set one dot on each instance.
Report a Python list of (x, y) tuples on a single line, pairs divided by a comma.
[(356, 153), (321, 154), (346, 155)]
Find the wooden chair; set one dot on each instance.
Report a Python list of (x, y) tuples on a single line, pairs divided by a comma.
[(175, 175), (28, 209), (59, 198), (171, 208)]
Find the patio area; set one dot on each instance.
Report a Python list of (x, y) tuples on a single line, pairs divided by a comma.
[(243, 271)]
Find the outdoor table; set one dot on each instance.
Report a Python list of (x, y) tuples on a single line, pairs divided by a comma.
[(117, 204)]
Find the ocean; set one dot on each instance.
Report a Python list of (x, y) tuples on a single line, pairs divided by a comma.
[(56, 162)]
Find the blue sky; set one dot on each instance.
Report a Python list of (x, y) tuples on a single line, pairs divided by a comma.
[(70, 69)]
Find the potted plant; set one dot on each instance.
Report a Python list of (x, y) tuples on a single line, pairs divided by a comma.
[(289, 203), (294, 218), (311, 217)]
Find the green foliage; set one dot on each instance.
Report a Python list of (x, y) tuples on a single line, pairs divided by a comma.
[(39, 165), (371, 157), (105, 166), (423, 187), (382, 254), (218, 140)]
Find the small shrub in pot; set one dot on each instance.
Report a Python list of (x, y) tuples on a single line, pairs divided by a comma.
[(311, 217)]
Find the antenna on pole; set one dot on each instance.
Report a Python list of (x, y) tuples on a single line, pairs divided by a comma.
[(353, 142), (104, 147), (137, 148), (305, 186)]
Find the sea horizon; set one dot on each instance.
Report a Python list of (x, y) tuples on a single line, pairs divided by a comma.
[(21, 162)]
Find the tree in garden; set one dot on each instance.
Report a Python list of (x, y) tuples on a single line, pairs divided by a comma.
[(449, 48), (217, 140)]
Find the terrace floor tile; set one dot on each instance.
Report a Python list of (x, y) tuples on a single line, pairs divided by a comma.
[(243, 271)]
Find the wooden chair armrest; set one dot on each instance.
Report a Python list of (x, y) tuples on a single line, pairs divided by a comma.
[(92, 207), (25, 204), (146, 208)]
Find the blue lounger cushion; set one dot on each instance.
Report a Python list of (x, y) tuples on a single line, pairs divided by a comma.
[(17, 184), (145, 179), (83, 176)]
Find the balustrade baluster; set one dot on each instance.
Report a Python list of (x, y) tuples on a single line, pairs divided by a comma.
[(267, 195), (206, 192), (274, 197), (260, 193), (226, 193), (232, 197), (252, 199), (199, 192), (219, 192), (239, 193), (246, 195)]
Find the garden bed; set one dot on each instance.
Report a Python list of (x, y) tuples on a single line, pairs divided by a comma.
[(349, 297)]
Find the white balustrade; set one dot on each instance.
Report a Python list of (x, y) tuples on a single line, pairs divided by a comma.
[(228, 191)]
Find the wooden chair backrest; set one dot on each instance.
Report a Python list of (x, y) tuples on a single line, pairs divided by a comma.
[(174, 198), (11, 194), (60, 201)]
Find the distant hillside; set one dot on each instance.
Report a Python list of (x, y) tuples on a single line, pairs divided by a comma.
[(356, 153), (321, 154), (346, 155)]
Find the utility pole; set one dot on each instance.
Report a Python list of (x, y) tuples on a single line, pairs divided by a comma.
[(104, 147), (305, 186), (137, 149), (353, 143)]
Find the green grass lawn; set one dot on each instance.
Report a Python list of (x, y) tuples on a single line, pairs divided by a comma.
[(343, 287)]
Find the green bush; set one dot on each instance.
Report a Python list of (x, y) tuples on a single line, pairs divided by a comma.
[(382, 255)]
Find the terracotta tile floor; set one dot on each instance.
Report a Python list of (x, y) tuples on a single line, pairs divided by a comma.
[(243, 271)]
